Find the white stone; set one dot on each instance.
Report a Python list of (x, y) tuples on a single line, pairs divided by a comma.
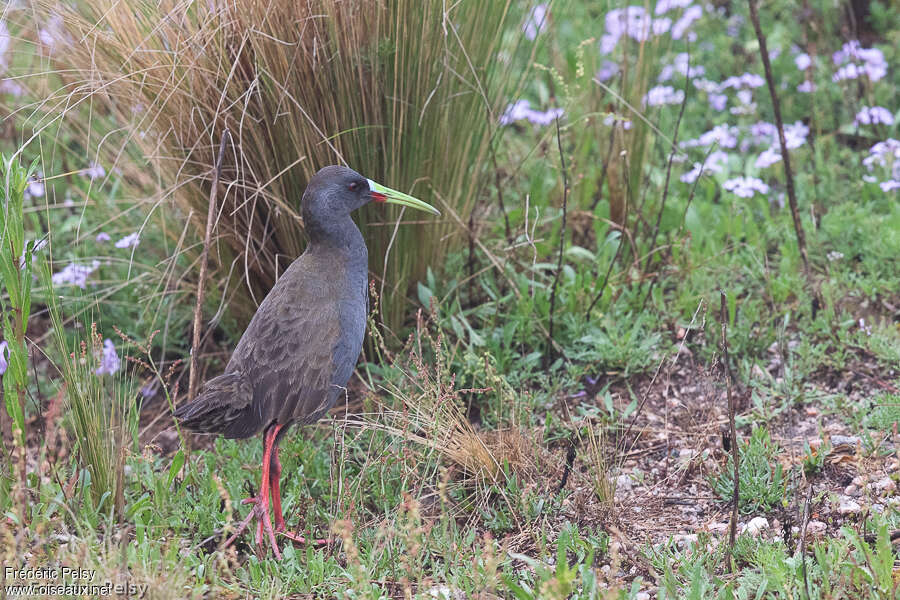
[(642, 596), (624, 483), (848, 507), (852, 490), (885, 485), (756, 525), (816, 529)]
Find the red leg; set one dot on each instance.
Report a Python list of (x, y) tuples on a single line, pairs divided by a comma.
[(261, 501), (274, 477)]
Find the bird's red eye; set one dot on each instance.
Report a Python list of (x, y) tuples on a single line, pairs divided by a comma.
[(352, 186)]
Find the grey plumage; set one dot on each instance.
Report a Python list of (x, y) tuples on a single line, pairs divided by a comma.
[(299, 350)]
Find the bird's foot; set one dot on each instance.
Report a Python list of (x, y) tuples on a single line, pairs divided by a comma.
[(260, 511), (299, 539)]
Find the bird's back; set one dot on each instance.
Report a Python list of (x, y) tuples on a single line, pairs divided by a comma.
[(297, 353)]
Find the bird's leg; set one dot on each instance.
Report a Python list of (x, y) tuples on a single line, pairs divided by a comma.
[(274, 477), (280, 527), (261, 501)]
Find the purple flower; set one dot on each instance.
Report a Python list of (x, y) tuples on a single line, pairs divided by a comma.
[(746, 187), (5, 40), (885, 154), (807, 87), (611, 119), (854, 61), (607, 70), (763, 132), (803, 61), (750, 80), (874, 116), (102, 237), (690, 15), (718, 102), (35, 187), (8, 86), (661, 26), (767, 158), (632, 21), (4, 357), (109, 360), (663, 94), (75, 274), (795, 135), (608, 43), (129, 241), (747, 105), (52, 32), (889, 186), (714, 163), (664, 6), (705, 85), (544, 118), (681, 65), (850, 71), (536, 21), (94, 171), (723, 135)]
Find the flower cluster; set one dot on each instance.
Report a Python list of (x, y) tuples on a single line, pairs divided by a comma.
[(885, 155), (129, 241), (536, 21), (746, 187), (516, 111), (716, 162), (638, 24), (4, 357), (874, 116), (663, 94), (109, 359), (854, 61), (75, 274)]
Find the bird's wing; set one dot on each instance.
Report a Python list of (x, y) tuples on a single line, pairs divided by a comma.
[(287, 351)]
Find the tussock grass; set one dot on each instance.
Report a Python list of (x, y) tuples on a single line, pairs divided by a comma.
[(404, 92)]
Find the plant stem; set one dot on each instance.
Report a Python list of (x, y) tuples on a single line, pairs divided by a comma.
[(194, 379), (736, 494), (779, 124)]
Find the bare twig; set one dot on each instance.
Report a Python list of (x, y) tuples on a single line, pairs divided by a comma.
[(562, 242), (194, 380), (803, 526), (779, 124), (732, 530)]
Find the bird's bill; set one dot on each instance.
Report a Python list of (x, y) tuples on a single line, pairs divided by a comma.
[(382, 193)]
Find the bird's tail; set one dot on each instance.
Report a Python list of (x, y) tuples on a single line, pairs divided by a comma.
[(224, 406)]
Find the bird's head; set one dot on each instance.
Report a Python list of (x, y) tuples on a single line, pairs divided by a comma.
[(336, 191)]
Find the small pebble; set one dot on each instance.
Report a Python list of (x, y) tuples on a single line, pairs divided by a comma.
[(852, 490), (885, 485), (756, 525), (848, 507), (816, 529)]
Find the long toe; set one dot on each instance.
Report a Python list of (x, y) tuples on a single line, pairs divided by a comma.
[(299, 539)]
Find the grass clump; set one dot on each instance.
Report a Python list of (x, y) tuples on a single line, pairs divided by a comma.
[(763, 485), (391, 90)]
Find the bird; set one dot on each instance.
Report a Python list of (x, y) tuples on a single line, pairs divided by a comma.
[(298, 352)]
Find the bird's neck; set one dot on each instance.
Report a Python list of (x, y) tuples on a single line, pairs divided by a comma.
[(339, 237)]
